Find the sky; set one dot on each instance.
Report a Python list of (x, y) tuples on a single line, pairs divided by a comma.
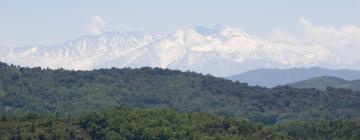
[(25, 22)]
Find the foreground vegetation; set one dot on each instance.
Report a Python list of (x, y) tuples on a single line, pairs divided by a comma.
[(123, 123), (126, 123), (345, 129)]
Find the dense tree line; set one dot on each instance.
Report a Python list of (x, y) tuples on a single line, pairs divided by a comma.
[(134, 124), (160, 124), (322, 129), (66, 92)]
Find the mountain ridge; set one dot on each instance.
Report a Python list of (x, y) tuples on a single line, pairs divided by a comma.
[(196, 48)]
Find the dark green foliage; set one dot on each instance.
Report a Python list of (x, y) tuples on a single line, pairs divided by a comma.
[(158, 124), (40, 128), (134, 124), (322, 130), (63, 92)]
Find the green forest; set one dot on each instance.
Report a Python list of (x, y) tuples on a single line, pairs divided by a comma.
[(160, 124), (154, 103), (124, 123)]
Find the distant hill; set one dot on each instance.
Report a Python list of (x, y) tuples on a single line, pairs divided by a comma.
[(274, 77), (323, 82)]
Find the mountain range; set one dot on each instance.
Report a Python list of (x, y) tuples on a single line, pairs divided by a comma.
[(220, 51), (274, 77)]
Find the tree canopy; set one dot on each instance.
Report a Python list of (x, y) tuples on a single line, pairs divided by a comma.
[(66, 92)]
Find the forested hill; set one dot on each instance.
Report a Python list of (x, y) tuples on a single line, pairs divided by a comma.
[(322, 83), (65, 92)]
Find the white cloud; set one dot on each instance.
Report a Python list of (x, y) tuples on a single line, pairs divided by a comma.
[(348, 35), (96, 25), (344, 40)]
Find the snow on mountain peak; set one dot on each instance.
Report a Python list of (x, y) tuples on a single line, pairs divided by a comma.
[(221, 51)]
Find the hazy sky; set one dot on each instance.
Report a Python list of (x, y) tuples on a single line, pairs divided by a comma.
[(46, 22)]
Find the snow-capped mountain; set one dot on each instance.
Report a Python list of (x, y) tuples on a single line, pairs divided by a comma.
[(221, 51)]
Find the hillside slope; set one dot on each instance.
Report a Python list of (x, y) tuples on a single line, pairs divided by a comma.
[(66, 92)]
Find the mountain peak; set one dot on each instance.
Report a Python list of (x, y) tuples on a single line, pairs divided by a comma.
[(228, 31), (216, 31)]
